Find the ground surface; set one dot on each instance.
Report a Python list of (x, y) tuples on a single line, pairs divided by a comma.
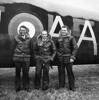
[(87, 85)]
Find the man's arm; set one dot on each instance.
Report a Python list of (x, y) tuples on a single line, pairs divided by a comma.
[(13, 43), (53, 50), (74, 48), (36, 51)]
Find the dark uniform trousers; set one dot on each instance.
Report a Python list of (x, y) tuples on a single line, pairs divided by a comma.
[(61, 72), (42, 71), (24, 66)]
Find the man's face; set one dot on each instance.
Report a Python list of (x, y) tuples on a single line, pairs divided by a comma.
[(44, 34), (23, 32), (65, 32)]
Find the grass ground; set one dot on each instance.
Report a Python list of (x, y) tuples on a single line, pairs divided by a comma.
[(87, 85)]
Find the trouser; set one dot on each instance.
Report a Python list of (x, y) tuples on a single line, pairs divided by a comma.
[(61, 73), (42, 71), (24, 66)]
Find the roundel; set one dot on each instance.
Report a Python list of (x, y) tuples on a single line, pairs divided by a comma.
[(32, 22)]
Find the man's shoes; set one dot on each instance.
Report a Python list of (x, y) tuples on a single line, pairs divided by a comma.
[(45, 88), (72, 86), (61, 86), (18, 89), (72, 89), (26, 88), (37, 87)]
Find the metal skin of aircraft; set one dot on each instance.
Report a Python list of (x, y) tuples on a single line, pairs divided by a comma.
[(80, 15)]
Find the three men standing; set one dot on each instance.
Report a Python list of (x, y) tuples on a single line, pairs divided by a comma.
[(44, 51)]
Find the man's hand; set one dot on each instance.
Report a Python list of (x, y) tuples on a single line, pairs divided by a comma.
[(51, 58), (36, 57), (47, 59), (71, 60)]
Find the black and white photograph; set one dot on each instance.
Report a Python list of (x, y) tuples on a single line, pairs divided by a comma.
[(49, 50)]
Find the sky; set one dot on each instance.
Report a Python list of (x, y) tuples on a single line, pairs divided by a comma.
[(88, 9)]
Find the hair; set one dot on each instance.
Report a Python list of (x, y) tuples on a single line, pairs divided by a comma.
[(44, 31), (65, 26), (25, 28)]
